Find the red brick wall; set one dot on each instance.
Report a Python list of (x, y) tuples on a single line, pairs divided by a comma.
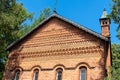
[(54, 45)]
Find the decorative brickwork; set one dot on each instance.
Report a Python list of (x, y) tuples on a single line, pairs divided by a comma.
[(57, 44)]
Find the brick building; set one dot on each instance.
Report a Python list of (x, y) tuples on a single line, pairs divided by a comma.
[(59, 49)]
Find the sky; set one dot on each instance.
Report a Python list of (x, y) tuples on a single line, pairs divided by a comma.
[(83, 12)]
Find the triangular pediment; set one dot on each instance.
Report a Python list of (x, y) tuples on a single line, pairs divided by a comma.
[(58, 25)]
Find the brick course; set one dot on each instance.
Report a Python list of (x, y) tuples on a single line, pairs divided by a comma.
[(58, 44)]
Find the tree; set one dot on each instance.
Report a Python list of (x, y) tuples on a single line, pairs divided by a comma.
[(115, 14), (12, 15), (115, 62), (43, 14), (115, 68), (116, 56)]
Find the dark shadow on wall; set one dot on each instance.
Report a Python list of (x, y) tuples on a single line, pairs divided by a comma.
[(100, 69), (12, 65)]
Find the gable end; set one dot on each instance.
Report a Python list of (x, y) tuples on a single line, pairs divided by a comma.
[(61, 18)]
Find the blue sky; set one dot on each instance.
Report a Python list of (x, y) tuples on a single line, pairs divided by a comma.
[(84, 12)]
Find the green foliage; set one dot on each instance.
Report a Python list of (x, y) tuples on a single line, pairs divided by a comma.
[(43, 14), (116, 56), (115, 14), (12, 15), (115, 69), (115, 74)]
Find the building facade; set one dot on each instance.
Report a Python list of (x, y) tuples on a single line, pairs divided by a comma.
[(59, 49)]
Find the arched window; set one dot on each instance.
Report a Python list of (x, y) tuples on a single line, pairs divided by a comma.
[(17, 75), (35, 75), (59, 74), (83, 73)]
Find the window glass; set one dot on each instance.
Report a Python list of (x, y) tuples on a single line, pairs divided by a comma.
[(59, 74), (82, 73), (17, 74), (36, 72)]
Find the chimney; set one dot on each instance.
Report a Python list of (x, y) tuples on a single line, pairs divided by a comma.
[(105, 24)]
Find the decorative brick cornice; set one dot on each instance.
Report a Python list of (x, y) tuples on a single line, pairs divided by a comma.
[(70, 51), (59, 42), (57, 65)]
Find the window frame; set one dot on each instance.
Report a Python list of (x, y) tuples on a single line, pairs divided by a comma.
[(81, 68), (34, 74), (59, 71), (17, 75)]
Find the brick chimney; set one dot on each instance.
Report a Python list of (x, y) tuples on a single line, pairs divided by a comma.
[(105, 24)]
